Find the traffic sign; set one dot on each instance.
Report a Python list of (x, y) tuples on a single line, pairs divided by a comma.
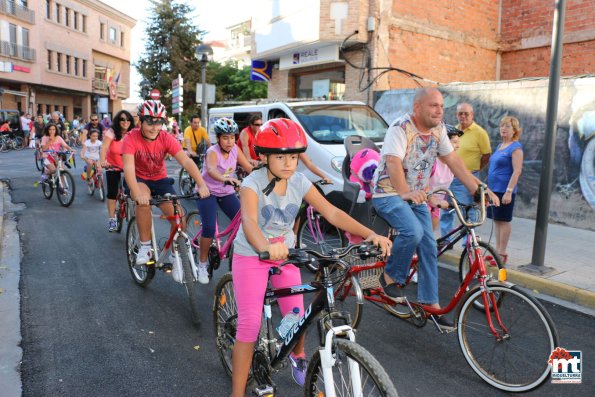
[(155, 94)]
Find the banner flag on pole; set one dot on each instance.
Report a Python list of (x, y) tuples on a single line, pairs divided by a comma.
[(261, 71)]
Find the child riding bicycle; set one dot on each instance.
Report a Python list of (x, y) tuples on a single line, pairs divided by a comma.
[(90, 153), (143, 155), (218, 173), (270, 198)]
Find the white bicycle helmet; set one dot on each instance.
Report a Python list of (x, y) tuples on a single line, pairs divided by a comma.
[(225, 126), (151, 108)]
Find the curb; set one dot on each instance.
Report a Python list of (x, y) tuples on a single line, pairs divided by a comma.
[(538, 285)]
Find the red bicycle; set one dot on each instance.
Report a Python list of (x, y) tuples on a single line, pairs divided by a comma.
[(504, 333)]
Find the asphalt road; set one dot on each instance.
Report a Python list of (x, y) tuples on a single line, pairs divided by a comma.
[(88, 330)]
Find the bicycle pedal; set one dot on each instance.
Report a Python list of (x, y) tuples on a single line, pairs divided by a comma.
[(264, 391), (166, 267)]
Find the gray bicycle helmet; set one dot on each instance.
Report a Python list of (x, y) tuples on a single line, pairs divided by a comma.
[(225, 126), (451, 131)]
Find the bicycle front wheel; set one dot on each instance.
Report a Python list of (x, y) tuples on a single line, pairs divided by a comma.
[(120, 214), (355, 368), (190, 282), (141, 274), (18, 143), (47, 188), (66, 188), (317, 233), (100, 188), (517, 362), (185, 182), (38, 160), (225, 320)]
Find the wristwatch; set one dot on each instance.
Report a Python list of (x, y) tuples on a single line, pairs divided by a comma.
[(509, 190)]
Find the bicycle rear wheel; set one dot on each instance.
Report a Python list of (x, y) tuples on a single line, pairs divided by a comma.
[(100, 189), (225, 320), (18, 143), (190, 282), (349, 357), (141, 274), (519, 361), (66, 188)]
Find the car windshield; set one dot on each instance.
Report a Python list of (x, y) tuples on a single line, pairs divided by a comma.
[(331, 123)]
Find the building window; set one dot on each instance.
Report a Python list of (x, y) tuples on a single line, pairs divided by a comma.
[(76, 66), (68, 64), (12, 29), (64, 111), (84, 23), (48, 9), (58, 62), (112, 35), (102, 31), (75, 19), (121, 39), (84, 71), (25, 37), (49, 60), (58, 17), (66, 16), (24, 3)]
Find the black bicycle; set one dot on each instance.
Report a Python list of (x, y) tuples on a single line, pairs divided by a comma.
[(339, 367)]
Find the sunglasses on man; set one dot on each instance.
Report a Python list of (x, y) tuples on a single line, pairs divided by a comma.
[(154, 121)]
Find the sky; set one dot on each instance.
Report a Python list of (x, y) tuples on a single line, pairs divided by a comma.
[(212, 16)]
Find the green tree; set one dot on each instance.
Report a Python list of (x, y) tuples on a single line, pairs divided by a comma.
[(171, 39), (234, 84)]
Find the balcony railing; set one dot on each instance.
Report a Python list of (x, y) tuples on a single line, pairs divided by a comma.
[(17, 51), (10, 7), (102, 85)]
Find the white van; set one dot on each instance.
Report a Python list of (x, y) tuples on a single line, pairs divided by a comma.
[(327, 123)]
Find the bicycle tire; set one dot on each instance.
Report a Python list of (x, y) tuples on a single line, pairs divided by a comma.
[(90, 186), (101, 189), (18, 143), (193, 226), (66, 190), (190, 282), (47, 188), (120, 215), (533, 336), (141, 274), (185, 182), (230, 257), (349, 296), (225, 317), (491, 260), (490, 256), (332, 237), (38, 160), (375, 380)]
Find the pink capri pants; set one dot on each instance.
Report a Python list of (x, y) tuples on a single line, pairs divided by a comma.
[(250, 277)]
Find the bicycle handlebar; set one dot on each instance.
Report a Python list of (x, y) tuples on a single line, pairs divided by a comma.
[(170, 197), (322, 182), (457, 206), (302, 256)]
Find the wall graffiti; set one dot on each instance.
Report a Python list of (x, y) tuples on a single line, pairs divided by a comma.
[(573, 196)]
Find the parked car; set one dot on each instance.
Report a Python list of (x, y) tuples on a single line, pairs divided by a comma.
[(326, 123)]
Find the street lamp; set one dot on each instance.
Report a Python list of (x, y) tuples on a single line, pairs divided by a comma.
[(204, 53)]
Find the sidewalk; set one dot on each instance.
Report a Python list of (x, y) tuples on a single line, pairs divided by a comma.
[(570, 257)]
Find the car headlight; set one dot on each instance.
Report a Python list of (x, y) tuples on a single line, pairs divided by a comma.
[(337, 163)]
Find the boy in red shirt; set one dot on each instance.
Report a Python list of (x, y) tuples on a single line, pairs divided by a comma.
[(143, 154)]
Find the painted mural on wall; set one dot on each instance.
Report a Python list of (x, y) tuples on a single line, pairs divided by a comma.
[(573, 195)]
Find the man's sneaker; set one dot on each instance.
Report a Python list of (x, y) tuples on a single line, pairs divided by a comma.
[(145, 254), (203, 274), (298, 369), (444, 324), (392, 291), (113, 225)]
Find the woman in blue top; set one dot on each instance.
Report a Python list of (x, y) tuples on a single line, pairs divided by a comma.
[(506, 165)]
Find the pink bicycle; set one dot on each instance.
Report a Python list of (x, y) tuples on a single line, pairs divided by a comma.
[(218, 250)]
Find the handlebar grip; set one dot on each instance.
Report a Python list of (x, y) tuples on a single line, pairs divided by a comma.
[(264, 256)]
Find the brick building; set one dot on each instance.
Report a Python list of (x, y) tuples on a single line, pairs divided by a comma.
[(443, 41), (71, 56)]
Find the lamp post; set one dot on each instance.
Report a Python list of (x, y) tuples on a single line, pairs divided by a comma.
[(204, 54)]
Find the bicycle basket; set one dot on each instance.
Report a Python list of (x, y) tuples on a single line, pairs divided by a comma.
[(367, 270)]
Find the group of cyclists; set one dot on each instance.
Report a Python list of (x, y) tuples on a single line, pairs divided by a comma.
[(269, 199)]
